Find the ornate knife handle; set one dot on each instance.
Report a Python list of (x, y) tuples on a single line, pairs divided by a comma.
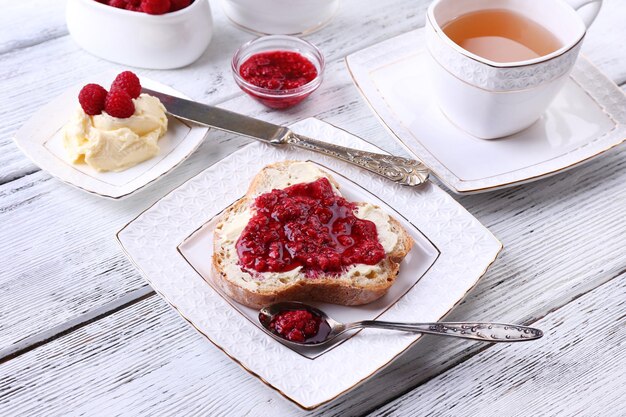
[(404, 171), (487, 332)]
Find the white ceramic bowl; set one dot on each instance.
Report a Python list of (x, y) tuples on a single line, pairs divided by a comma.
[(280, 17), (171, 40), (278, 99)]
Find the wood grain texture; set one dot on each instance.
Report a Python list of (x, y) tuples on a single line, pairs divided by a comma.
[(134, 362), (526, 283), (577, 369), (28, 23), (65, 260), (563, 237)]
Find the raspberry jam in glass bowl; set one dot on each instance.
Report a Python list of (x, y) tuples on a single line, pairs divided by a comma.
[(278, 71)]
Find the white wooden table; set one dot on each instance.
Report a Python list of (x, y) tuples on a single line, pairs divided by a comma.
[(82, 334)]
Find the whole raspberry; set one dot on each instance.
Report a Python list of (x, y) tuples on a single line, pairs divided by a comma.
[(179, 4), (133, 5), (129, 82), (92, 98), (119, 104), (155, 6), (120, 4)]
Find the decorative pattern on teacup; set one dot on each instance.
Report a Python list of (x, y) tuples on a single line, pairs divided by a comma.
[(498, 78)]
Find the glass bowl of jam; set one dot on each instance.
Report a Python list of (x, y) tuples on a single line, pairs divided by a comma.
[(278, 70)]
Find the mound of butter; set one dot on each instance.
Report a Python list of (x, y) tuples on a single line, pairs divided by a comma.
[(111, 144)]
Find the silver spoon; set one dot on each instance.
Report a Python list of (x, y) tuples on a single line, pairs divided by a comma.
[(329, 329)]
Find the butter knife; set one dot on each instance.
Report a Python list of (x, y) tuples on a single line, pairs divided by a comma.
[(400, 170)]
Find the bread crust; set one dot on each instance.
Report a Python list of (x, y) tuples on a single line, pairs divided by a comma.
[(323, 288)]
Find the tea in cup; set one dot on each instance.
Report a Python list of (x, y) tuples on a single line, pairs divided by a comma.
[(497, 64)]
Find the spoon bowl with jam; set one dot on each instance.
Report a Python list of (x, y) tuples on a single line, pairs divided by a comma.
[(304, 325)]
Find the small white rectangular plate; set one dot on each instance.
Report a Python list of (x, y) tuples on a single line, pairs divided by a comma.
[(170, 244), (41, 139), (587, 118)]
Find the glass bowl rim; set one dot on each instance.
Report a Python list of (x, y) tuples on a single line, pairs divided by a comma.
[(290, 92)]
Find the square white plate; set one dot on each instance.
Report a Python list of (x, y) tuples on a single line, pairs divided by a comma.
[(41, 139), (587, 118), (417, 262), (170, 244)]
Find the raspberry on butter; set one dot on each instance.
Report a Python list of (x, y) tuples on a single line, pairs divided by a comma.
[(134, 5), (179, 4), (129, 82), (92, 98), (120, 4), (155, 6), (119, 104)]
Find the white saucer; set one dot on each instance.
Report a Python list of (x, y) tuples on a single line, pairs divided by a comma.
[(587, 118), (41, 139)]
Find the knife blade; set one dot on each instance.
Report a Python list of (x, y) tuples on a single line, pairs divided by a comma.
[(220, 118), (401, 170)]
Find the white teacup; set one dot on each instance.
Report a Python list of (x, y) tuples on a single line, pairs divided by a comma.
[(491, 99)]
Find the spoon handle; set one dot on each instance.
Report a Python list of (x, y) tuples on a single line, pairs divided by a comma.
[(487, 332)]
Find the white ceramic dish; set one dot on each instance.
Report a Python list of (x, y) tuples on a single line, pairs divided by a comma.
[(171, 40), (587, 118), (280, 17), (170, 244), (41, 139)]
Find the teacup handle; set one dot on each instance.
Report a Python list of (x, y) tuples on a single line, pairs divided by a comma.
[(588, 14)]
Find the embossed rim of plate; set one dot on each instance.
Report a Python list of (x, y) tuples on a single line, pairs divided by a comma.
[(609, 99), (467, 250)]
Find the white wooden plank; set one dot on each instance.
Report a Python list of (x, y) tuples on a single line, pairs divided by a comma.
[(62, 258), (71, 285), (27, 23), (107, 343), (577, 369), (525, 276), (147, 359), (84, 268)]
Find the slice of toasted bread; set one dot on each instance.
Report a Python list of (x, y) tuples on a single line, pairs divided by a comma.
[(358, 284)]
